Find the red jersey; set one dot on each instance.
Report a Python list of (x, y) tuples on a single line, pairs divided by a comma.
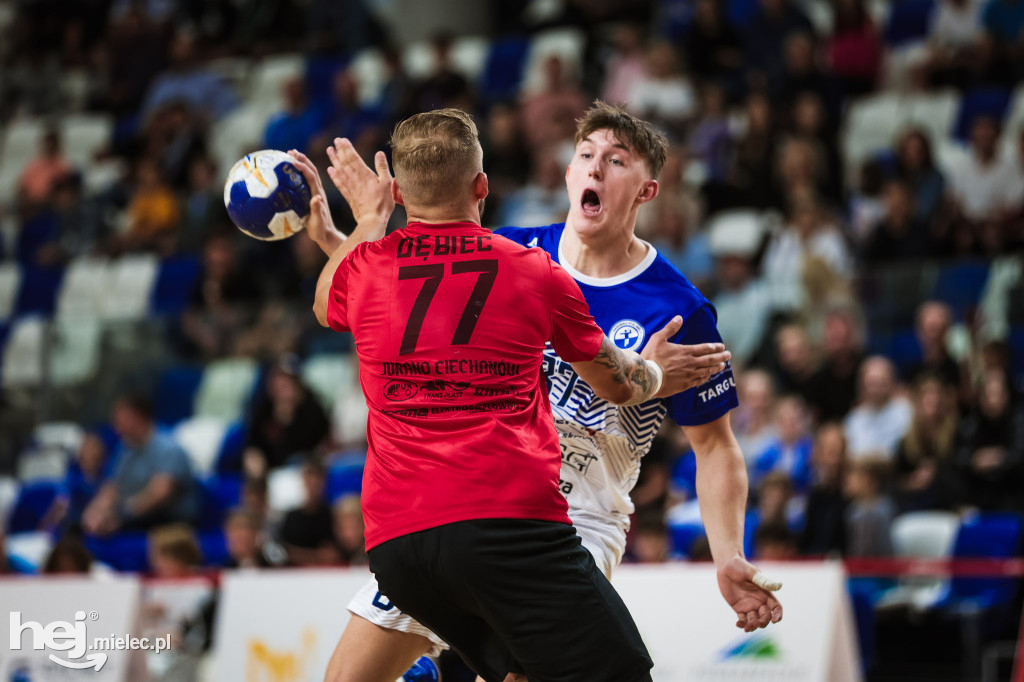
[(450, 322)]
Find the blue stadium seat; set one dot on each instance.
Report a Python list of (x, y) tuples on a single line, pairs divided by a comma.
[(980, 102), (176, 393), (174, 284), (1016, 342), (122, 551), (34, 499), (993, 534), (961, 285), (229, 461), (214, 546), (39, 287), (219, 494), (503, 72), (908, 21), (684, 474), (683, 535), (344, 479), (742, 12)]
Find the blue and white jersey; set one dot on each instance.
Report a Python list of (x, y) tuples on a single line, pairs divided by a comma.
[(602, 443)]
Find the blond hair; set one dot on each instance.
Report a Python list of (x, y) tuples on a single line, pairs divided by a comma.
[(176, 542), (434, 154), (640, 136)]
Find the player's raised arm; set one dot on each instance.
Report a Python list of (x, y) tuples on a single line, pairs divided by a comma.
[(370, 197)]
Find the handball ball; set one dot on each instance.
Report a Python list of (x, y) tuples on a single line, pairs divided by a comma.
[(266, 195)]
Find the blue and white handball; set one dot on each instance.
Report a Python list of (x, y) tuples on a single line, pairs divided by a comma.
[(266, 195)]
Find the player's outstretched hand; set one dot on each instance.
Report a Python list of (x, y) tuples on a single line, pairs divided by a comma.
[(750, 594), (320, 225), (368, 193), (684, 366)]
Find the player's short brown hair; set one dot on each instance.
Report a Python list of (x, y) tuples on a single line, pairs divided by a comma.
[(434, 154), (640, 136)]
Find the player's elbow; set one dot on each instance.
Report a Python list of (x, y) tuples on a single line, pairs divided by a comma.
[(320, 311), (615, 393)]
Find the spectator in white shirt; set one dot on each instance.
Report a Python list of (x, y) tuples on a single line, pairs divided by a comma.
[(874, 428), (984, 187)]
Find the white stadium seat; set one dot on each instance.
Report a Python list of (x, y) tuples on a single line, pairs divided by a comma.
[(269, 76), (81, 293), (23, 354), (567, 43), (130, 281), (418, 59), (201, 438), (75, 356), (45, 464), (328, 376), (225, 389), (925, 535), (66, 436), (935, 112), (370, 72), (82, 135), (469, 55), (237, 134), (10, 284), (19, 146)]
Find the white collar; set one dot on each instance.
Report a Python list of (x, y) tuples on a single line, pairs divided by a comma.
[(636, 270)]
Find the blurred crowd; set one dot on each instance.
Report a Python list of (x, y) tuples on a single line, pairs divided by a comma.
[(759, 206)]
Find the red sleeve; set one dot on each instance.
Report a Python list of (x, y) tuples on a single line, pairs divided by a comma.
[(337, 300), (574, 334)]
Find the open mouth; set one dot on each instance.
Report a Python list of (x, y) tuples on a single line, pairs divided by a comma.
[(590, 202)]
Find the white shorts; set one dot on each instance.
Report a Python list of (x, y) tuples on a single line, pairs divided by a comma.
[(370, 604)]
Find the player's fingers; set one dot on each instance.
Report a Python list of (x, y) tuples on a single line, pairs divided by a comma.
[(669, 329), (777, 613), (306, 167), (706, 349), (751, 621), (346, 152), (380, 160), (764, 616), (717, 360), (766, 583)]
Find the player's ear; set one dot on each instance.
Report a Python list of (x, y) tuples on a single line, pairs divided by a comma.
[(396, 193), (648, 192), (480, 186)]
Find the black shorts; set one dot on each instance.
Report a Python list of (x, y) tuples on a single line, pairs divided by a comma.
[(514, 595)]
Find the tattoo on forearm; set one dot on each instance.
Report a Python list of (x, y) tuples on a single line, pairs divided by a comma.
[(611, 357), (628, 368)]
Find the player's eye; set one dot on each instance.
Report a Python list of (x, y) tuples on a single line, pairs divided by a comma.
[(586, 155), (618, 162)]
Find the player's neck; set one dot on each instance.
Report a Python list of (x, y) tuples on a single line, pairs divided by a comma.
[(602, 255), (453, 213)]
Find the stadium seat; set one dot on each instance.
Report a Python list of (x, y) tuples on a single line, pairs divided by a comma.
[(949, 154), (10, 281), (344, 479), (1016, 342), (42, 464), (503, 72), (984, 535), (19, 146), (34, 499), (214, 546), (418, 59), (239, 133), (9, 489), (908, 21), (123, 551), (268, 77), (960, 285), (39, 287), (370, 73), (683, 535), (75, 354), (226, 389), (174, 284), (84, 287), (741, 12), (83, 135), (327, 375), (219, 495), (23, 353), (469, 54), (284, 489), (229, 459), (565, 43), (993, 102), (871, 126), (176, 392), (925, 534), (201, 437), (129, 287), (933, 111)]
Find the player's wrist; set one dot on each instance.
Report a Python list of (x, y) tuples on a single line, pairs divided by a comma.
[(657, 375)]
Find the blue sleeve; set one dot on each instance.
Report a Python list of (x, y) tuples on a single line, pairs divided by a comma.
[(706, 403), (173, 461), (520, 235)]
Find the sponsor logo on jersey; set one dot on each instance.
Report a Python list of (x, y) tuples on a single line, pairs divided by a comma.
[(627, 334), (718, 389), (399, 390), (580, 461)]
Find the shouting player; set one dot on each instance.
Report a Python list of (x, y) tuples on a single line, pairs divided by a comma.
[(612, 174), (466, 527)]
